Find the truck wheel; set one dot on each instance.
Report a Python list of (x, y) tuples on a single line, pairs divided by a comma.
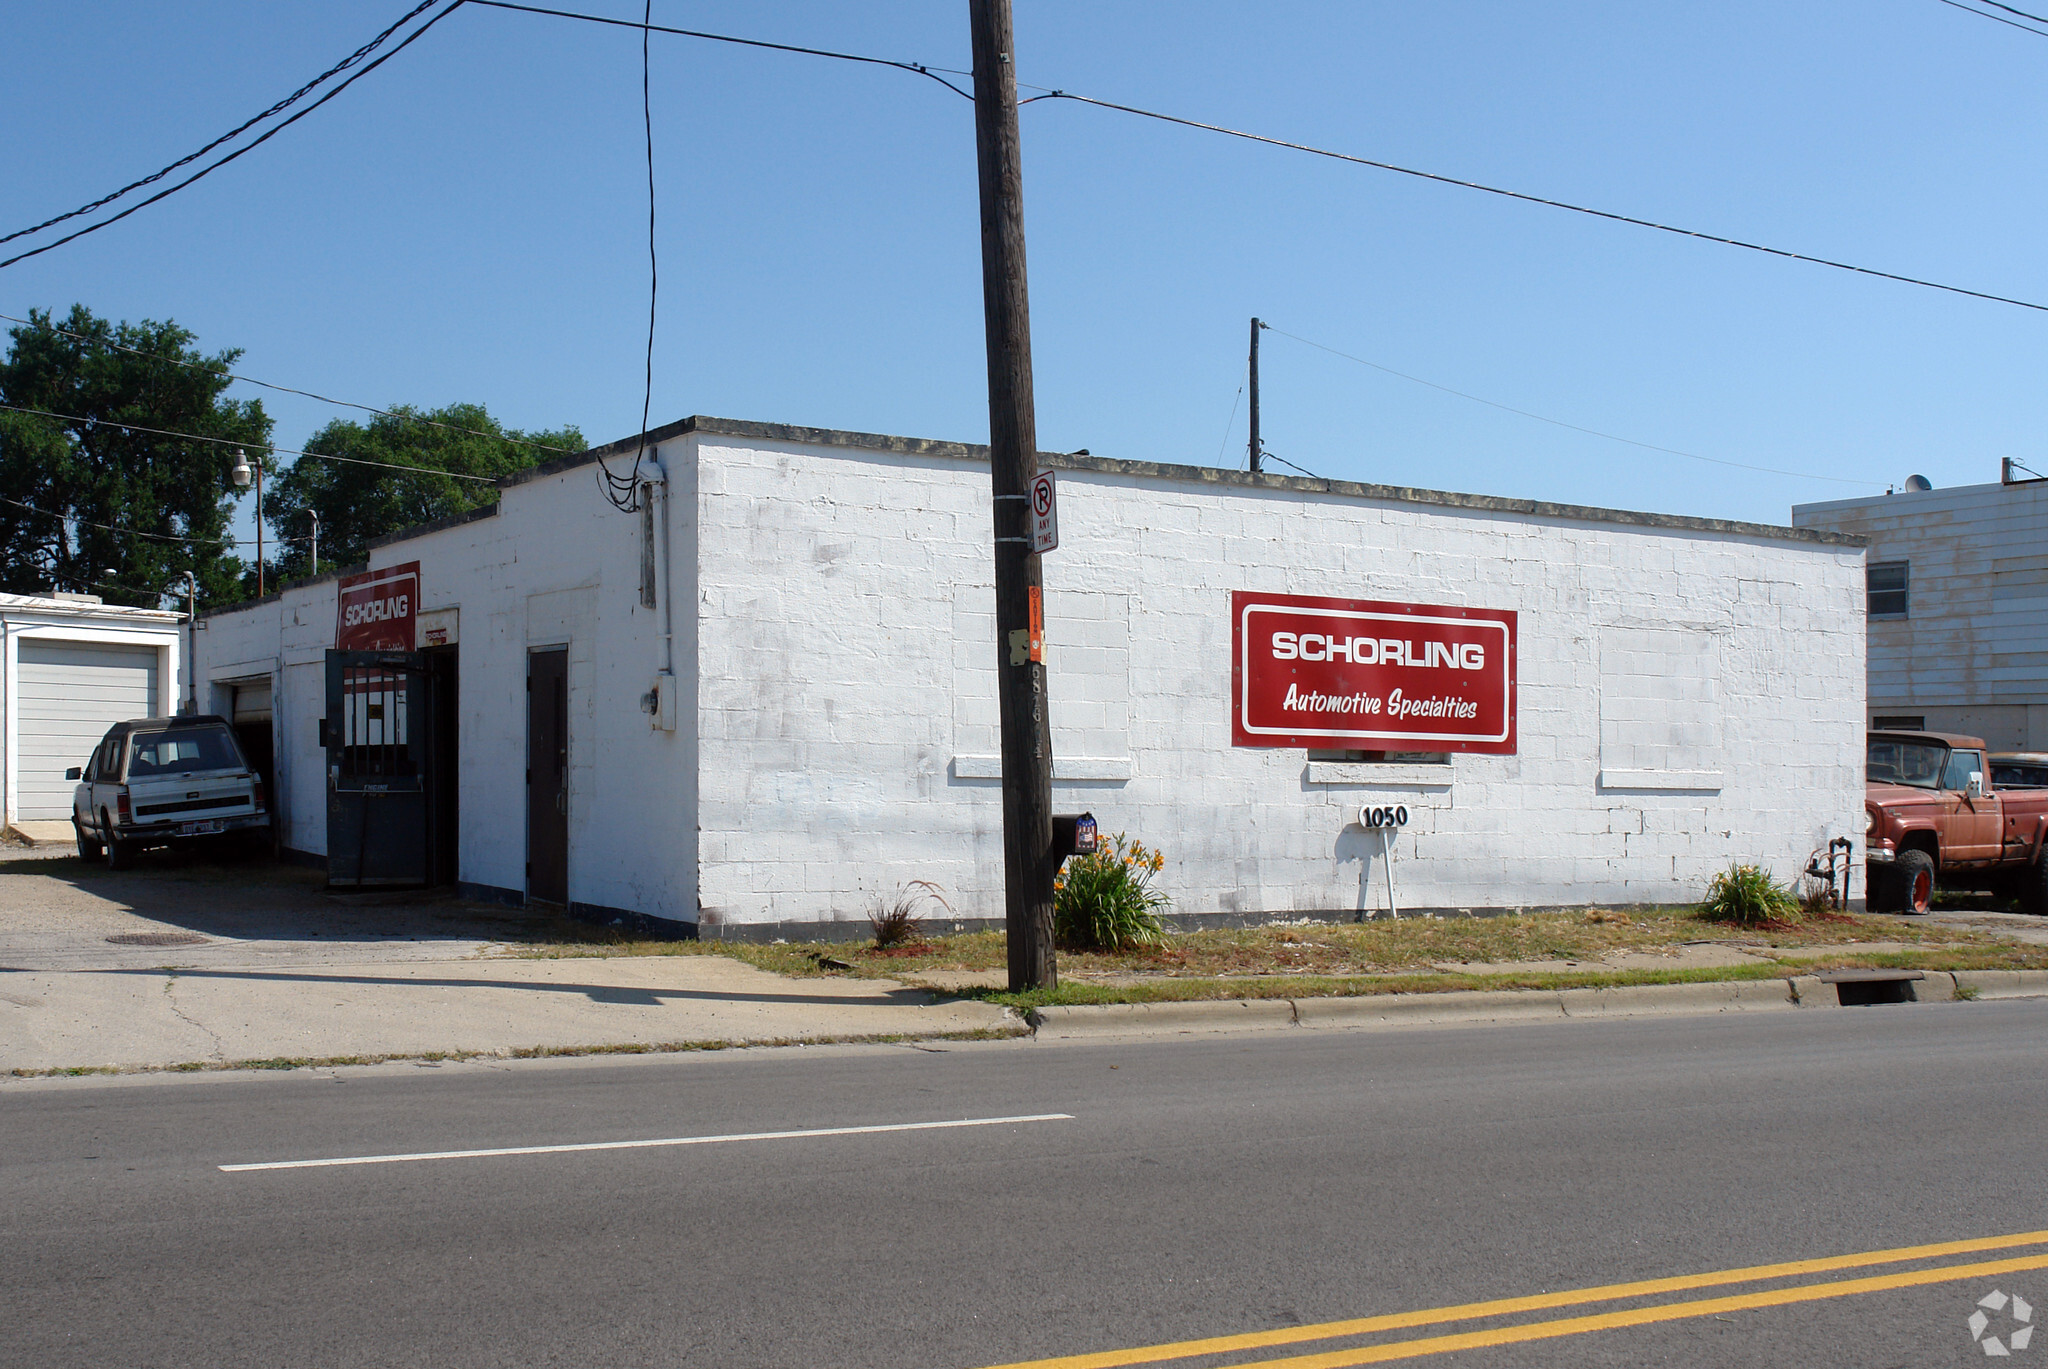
[(119, 854), (1914, 892), (88, 849), (2033, 888)]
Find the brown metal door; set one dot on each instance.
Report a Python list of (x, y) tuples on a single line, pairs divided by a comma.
[(547, 775)]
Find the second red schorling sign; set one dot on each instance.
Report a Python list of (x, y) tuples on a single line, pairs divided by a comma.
[(1361, 674)]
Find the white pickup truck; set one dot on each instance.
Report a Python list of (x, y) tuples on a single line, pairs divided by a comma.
[(160, 781)]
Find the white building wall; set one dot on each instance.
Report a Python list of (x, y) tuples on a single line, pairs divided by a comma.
[(1687, 697), (555, 565), (1971, 655)]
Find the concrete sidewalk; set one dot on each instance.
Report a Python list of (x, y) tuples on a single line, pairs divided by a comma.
[(212, 1015)]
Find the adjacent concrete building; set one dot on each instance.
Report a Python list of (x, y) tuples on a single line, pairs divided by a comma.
[(1957, 605), (775, 687), (70, 668)]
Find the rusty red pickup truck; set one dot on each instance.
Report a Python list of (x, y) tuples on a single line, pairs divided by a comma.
[(1936, 817)]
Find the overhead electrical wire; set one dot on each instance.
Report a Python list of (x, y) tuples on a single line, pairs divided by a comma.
[(2021, 13), (158, 594), (138, 532), (1539, 199), (280, 107), (1229, 423), (287, 389), (249, 146), (2001, 19), (126, 532), (1054, 94), (624, 492), (1266, 454), (1560, 423), (916, 68), (237, 442)]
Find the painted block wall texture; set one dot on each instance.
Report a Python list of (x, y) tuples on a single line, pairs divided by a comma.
[(837, 689), (555, 566), (1973, 650)]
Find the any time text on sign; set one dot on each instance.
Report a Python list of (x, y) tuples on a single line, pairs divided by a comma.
[(1340, 674)]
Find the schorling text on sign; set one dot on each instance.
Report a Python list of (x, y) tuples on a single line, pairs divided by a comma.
[(1345, 674), (375, 611)]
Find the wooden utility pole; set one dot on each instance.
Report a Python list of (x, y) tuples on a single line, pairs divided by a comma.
[(1252, 448), (1028, 863)]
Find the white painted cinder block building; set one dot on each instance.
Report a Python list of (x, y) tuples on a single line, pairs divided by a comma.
[(1957, 604), (1690, 692)]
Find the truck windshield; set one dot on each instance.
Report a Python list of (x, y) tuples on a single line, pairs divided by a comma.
[(1891, 761), (172, 753)]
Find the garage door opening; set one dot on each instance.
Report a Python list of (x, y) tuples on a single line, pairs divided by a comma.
[(251, 719)]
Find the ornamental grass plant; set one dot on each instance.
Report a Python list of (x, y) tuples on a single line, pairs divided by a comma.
[(1105, 901), (1747, 896)]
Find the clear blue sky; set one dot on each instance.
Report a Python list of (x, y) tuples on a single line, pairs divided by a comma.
[(468, 223)]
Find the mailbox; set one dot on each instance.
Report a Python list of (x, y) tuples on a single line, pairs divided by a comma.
[(1073, 834)]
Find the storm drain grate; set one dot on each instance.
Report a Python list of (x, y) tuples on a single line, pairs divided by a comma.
[(157, 939)]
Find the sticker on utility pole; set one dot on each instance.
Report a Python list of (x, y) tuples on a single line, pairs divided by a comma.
[(1045, 514), (1037, 623)]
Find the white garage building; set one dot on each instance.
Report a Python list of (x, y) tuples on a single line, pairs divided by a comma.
[(72, 668), (1683, 692)]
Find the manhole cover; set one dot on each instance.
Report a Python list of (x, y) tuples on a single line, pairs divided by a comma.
[(157, 939)]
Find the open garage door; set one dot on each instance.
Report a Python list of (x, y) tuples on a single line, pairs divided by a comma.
[(70, 694)]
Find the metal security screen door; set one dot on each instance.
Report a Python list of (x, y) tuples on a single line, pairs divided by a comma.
[(378, 738)]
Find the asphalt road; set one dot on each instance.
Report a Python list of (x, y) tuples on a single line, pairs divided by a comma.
[(1200, 1187)]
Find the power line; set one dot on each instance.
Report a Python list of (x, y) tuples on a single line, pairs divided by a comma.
[(625, 494), (923, 70), (285, 389), (2021, 13), (1534, 199), (1267, 453), (916, 68), (118, 589), (1999, 19), (1560, 423), (250, 146), (1229, 423), (286, 103), (238, 442), (134, 532)]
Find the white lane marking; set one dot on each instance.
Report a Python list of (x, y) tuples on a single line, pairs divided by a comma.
[(644, 1145)]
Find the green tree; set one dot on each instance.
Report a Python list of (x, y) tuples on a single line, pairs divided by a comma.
[(93, 501), (358, 503)]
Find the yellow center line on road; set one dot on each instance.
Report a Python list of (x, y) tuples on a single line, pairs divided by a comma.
[(1643, 1316), (1573, 1297)]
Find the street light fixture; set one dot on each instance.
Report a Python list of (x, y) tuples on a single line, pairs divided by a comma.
[(240, 474)]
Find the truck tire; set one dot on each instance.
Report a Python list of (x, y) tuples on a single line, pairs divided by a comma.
[(120, 855), (88, 849), (2033, 888), (1913, 887)]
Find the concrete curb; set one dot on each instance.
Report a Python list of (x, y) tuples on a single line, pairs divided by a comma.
[(1392, 1010), (1209, 1015), (2003, 983)]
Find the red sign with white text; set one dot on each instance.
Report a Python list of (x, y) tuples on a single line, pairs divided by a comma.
[(1344, 674), (374, 611)]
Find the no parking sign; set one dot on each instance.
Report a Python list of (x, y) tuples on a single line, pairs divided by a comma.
[(1045, 513)]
